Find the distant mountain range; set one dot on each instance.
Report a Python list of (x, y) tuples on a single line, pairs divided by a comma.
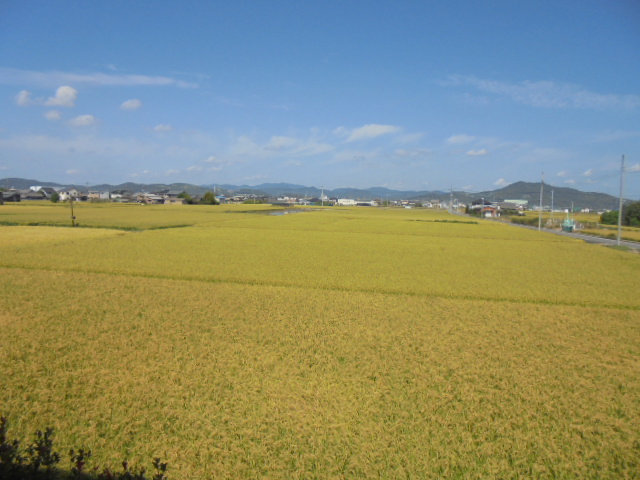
[(560, 197)]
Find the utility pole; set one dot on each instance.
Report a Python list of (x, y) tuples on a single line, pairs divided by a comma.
[(322, 196), (552, 208), (451, 200), (620, 202), (540, 216), (73, 217)]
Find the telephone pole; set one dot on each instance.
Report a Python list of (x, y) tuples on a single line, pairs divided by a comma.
[(621, 201), (540, 216)]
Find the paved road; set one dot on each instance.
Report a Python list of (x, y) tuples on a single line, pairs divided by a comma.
[(586, 238)]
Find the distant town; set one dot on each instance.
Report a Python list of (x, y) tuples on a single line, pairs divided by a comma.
[(484, 207)]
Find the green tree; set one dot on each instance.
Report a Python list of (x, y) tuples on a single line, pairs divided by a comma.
[(187, 198), (631, 214), (209, 199), (55, 197), (609, 218)]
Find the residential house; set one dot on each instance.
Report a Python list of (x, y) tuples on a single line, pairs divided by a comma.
[(96, 196), (10, 196), (66, 193), (149, 198), (32, 195), (174, 201)]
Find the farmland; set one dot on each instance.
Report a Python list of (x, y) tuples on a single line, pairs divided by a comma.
[(341, 343)]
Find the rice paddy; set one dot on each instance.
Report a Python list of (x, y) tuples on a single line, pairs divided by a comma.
[(341, 343)]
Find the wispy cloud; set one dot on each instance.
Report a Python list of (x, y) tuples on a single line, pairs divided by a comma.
[(366, 132), (133, 104), (588, 173), (52, 115), (163, 127), (12, 76), (24, 98), (210, 164), (255, 177), (83, 121), (548, 94), (501, 182), (142, 173), (297, 147), (477, 153), (459, 139), (412, 153)]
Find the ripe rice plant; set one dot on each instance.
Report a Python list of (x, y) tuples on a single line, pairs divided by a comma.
[(343, 343)]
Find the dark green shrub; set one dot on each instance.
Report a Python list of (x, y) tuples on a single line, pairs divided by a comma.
[(39, 461)]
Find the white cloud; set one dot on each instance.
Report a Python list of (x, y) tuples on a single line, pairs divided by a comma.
[(215, 164), (12, 76), (563, 173), (65, 97), (548, 94), (570, 182), (132, 104), (256, 177), (409, 138), (588, 173), (293, 163), (163, 128), (52, 115), (172, 172), (367, 131), (296, 146), (277, 146), (278, 143), (501, 182), (24, 98), (72, 171), (477, 153), (83, 121), (341, 132), (195, 168), (457, 139), (412, 153)]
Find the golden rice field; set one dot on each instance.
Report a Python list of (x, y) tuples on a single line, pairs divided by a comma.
[(341, 343), (627, 233)]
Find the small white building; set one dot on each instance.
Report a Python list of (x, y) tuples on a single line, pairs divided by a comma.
[(346, 202), (96, 196), (67, 193)]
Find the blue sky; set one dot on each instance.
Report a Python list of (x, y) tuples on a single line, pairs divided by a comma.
[(426, 95)]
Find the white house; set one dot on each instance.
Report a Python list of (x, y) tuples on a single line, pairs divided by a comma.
[(67, 193)]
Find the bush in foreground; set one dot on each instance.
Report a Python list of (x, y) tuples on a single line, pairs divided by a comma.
[(39, 461)]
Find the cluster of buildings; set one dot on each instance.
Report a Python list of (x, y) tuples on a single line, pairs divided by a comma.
[(487, 209), (79, 195), (480, 207)]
